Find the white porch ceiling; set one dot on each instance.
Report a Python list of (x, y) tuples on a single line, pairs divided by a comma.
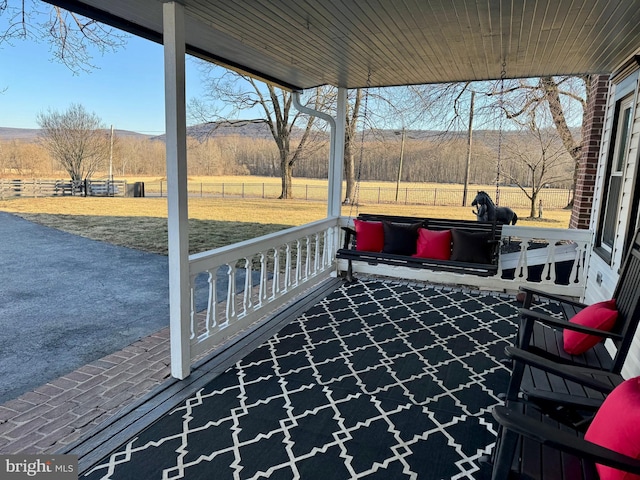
[(300, 44)]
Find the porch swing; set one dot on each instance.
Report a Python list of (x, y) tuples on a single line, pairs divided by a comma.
[(465, 247)]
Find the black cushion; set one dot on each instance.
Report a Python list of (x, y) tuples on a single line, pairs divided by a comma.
[(471, 247), (400, 238)]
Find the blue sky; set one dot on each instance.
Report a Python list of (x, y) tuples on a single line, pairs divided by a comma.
[(126, 91)]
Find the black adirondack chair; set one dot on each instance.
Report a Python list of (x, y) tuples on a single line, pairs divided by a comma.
[(533, 446), (542, 335), (574, 397), (547, 443)]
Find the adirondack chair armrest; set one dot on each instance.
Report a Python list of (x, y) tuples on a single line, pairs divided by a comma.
[(528, 427), (532, 316), (530, 291), (570, 372), (348, 233)]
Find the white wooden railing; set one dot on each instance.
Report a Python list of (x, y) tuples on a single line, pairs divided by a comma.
[(564, 247), (566, 251), (234, 286)]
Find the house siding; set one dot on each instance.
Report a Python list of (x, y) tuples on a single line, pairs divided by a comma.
[(602, 275)]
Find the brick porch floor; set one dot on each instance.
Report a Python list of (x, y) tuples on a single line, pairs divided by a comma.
[(60, 412)]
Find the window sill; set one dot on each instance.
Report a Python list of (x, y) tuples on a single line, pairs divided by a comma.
[(603, 253)]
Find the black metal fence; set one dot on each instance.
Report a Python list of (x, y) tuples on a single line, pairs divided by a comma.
[(443, 196)]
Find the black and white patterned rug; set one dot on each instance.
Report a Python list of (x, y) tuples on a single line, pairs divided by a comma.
[(380, 380)]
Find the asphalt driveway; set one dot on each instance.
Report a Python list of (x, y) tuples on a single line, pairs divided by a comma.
[(66, 301)]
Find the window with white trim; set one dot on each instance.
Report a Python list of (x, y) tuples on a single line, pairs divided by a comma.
[(608, 225)]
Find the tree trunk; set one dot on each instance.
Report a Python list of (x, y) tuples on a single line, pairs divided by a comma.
[(532, 211), (287, 173), (550, 88), (349, 160), (349, 173)]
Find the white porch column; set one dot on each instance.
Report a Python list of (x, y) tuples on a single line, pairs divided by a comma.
[(178, 225), (336, 162)]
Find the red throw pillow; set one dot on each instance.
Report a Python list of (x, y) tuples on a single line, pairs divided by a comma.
[(433, 244), (369, 236), (601, 315), (615, 427)]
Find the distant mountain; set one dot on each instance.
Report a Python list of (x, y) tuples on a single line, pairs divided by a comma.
[(202, 131), (241, 128), (31, 134), (28, 134), (260, 130)]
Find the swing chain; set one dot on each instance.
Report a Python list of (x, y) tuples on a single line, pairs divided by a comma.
[(503, 76), (356, 193)]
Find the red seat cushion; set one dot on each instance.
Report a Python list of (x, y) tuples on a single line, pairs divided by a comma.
[(601, 315), (616, 427), (369, 236), (434, 244)]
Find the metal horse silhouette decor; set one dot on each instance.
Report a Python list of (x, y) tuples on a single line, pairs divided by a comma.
[(487, 211)]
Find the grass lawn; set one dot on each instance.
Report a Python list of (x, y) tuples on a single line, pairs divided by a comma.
[(141, 223)]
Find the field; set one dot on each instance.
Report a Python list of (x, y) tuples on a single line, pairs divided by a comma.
[(141, 222), (368, 191)]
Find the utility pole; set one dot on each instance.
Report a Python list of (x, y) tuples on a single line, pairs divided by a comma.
[(401, 159), (469, 141), (110, 184)]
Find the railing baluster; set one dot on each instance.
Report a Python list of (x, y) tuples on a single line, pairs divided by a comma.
[(549, 270), (287, 271), (192, 317), (276, 272), (211, 320), (248, 285), (333, 235), (262, 290), (522, 267), (307, 262), (577, 272), (316, 255), (231, 294), (324, 243), (298, 262), (503, 243)]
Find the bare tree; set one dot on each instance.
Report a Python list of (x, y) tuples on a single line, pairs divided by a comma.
[(540, 154), (242, 93), (77, 139), (376, 110), (564, 98), (559, 97), (72, 36)]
